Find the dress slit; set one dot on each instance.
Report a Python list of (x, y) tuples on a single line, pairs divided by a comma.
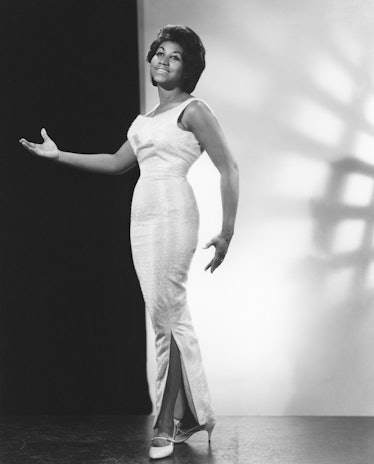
[(178, 408), (187, 391)]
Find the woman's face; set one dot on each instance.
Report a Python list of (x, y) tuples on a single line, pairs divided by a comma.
[(167, 65)]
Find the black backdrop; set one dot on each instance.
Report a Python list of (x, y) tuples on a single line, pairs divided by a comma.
[(72, 316)]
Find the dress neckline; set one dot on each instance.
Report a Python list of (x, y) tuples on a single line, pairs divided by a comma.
[(166, 111)]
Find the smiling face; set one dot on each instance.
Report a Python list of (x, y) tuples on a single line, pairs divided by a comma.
[(167, 65)]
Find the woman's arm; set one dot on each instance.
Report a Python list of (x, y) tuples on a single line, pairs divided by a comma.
[(105, 163), (199, 119)]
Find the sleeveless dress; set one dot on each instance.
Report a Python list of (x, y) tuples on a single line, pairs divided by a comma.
[(164, 233)]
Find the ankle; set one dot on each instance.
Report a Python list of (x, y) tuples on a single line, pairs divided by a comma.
[(165, 426)]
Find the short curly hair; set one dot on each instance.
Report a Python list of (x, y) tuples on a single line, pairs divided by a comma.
[(193, 52)]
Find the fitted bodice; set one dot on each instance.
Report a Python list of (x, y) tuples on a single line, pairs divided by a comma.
[(162, 148)]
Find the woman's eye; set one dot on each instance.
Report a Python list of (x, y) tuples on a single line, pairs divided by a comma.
[(159, 54), (175, 58)]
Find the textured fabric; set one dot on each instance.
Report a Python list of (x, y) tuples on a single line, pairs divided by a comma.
[(164, 232)]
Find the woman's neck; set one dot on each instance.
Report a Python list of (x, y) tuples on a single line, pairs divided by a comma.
[(170, 96)]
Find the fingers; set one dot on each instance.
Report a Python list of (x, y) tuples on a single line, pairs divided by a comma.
[(29, 146), (215, 262), (212, 265), (27, 143), (208, 266)]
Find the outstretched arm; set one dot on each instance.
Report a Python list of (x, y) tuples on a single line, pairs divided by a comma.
[(105, 163), (200, 120)]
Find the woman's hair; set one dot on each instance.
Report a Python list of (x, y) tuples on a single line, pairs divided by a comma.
[(193, 52)]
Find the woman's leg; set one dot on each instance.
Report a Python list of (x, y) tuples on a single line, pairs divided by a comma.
[(174, 383), (165, 422), (188, 419)]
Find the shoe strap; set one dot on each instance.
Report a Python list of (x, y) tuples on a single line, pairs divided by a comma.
[(163, 438), (195, 428)]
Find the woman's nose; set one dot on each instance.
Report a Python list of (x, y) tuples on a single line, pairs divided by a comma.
[(164, 60)]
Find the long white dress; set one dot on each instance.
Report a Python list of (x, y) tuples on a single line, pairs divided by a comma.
[(164, 232)]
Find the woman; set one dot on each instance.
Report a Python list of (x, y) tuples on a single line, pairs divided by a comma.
[(164, 223)]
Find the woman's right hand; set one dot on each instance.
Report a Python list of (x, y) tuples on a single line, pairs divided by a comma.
[(48, 148)]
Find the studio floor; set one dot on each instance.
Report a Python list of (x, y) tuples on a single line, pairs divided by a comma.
[(235, 440)]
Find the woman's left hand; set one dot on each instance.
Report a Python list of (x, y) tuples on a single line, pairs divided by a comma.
[(221, 244)]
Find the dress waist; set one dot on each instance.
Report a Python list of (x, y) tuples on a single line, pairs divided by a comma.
[(161, 176), (159, 168), (166, 177)]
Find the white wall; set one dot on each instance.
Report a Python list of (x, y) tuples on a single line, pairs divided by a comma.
[(287, 323)]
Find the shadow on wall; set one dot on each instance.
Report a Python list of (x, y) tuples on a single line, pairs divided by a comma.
[(309, 102), (336, 359), (333, 369), (318, 106)]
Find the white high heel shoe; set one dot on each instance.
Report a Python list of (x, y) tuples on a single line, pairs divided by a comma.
[(159, 452), (182, 435)]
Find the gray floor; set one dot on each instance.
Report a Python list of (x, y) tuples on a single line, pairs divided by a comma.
[(242, 440)]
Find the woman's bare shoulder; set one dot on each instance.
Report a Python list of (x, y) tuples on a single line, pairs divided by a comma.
[(198, 107), (197, 113)]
